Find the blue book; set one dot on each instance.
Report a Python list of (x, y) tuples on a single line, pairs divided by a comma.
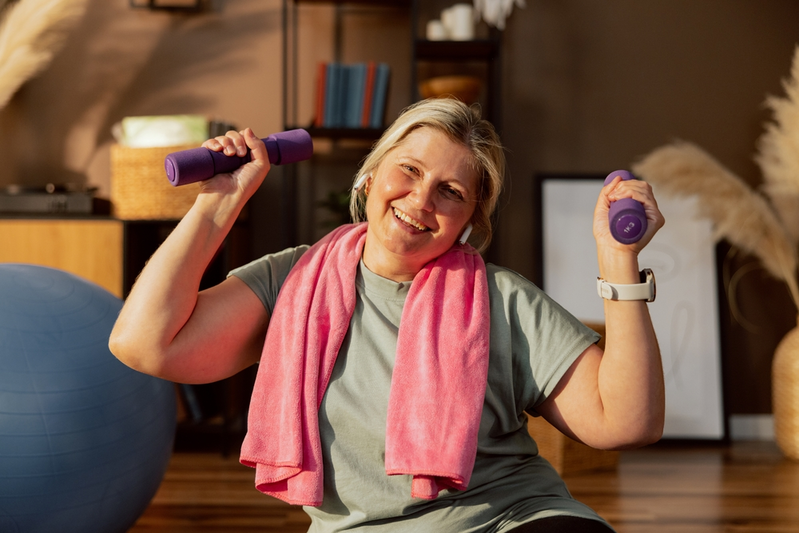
[(331, 88), (380, 96), (356, 87), (340, 98)]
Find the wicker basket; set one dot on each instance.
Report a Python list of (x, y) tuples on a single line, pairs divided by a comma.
[(566, 455), (785, 394), (140, 189)]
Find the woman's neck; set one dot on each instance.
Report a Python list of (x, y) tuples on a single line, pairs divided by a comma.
[(388, 265)]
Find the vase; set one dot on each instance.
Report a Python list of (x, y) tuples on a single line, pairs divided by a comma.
[(785, 394)]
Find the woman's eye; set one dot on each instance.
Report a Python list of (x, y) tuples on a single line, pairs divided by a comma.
[(453, 193)]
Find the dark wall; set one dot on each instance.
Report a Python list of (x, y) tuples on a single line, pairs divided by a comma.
[(593, 86), (587, 87)]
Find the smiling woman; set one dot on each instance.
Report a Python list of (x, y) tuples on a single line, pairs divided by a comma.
[(396, 367)]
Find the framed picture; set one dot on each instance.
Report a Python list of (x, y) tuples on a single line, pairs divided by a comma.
[(685, 313)]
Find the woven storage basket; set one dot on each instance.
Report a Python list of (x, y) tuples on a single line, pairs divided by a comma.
[(566, 455), (140, 189), (785, 394)]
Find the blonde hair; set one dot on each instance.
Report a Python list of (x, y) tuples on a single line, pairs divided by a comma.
[(462, 124)]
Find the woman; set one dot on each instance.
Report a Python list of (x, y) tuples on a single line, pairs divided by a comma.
[(397, 367)]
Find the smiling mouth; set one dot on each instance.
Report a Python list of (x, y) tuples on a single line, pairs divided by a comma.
[(409, 221)]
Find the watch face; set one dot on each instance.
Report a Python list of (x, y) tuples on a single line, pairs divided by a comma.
[(648, 277), (651, 275)]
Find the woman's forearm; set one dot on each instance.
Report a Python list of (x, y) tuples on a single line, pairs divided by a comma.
[(630, 375)]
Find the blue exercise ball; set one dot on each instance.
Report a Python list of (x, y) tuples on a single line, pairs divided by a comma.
[(84, 440)]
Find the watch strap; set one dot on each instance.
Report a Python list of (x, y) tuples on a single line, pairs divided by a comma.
[(644, 291)]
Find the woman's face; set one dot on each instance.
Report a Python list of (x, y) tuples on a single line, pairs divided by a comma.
[(419, 200)]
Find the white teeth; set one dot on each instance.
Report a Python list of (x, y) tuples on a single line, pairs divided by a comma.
[(408, 220)]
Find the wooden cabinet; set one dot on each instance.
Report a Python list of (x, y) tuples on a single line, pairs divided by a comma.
[(90, 248), (107, 251)]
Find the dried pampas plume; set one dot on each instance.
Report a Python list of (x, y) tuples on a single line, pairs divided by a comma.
[(778, 153), (739, 214), (31, 32), (764, 226)]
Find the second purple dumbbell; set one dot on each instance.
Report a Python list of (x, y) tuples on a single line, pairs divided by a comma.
[(197, 164), (627, 217)]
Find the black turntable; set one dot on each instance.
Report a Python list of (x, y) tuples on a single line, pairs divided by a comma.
[(49, 199)]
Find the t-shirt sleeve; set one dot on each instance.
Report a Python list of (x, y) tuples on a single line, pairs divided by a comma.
[(542, 339), (265, 276)]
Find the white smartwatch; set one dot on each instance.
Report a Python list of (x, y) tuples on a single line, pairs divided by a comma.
[(644, 291)]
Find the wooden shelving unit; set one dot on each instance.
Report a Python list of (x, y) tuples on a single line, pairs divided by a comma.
[(290, 69), (483, 53)]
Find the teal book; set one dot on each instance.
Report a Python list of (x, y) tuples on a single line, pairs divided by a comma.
[(331, 88), (380, 96), (356, 87)]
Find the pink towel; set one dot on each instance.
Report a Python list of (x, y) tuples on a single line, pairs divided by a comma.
[(438, 384)]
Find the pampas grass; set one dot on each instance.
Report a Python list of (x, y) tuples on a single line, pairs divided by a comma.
[(778, 153), (739, 214), (31, 32), (764, 225)]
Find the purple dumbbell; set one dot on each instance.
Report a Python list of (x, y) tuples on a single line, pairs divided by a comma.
[(197, 164), (627, 217)]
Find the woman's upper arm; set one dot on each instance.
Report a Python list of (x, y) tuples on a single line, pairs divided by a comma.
[(224, 335), (574, 405)]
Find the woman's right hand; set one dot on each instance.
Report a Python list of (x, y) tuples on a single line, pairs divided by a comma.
[(246, 179)]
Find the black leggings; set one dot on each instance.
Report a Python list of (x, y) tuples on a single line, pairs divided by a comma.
[(562, 524)]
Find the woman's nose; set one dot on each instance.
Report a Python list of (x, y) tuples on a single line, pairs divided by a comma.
[(423, 196)]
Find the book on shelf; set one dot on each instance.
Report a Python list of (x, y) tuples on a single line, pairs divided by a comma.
[(356, 88), (380, 94), (320, 95), (368, 96), (351, 95)]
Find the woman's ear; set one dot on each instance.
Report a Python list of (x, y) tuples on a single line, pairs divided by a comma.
[(368, 185)]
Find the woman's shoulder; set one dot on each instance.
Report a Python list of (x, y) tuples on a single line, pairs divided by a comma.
[(507, 289), (275, 261), (504, 281), (266, 274)]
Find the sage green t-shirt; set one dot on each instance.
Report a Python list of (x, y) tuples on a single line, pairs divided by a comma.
[(533, 342)]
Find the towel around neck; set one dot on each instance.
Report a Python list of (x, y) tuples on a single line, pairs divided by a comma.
[(439, 375)]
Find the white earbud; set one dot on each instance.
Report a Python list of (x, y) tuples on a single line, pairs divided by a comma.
[(465, 234), (361, 180)]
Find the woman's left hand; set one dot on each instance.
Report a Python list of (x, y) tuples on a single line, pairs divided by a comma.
[(617, 189)]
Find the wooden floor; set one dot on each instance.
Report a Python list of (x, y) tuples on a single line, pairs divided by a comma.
[(744, 487)]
